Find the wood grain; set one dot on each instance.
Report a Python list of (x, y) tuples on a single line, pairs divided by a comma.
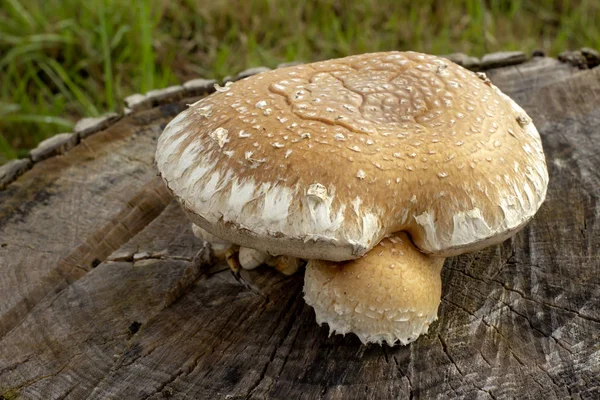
[(105, 293), (67, 205)]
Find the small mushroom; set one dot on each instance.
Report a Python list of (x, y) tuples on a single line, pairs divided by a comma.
[(390, 295), (361, 161), (219, 246), (287, 265), (251, 258)]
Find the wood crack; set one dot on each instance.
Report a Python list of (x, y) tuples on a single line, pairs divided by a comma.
[(504, 286), (489, 325), (541, 302), (96, 248), (285, 360), (405, 375), (286, 330), (31, 382), (195, 270), (185, 369), (548, 335), (445, 350)]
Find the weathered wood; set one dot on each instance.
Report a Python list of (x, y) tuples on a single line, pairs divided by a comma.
[(502, 59), (13, 169), (88, 126), (151, 320), (464, 60), (61, 204), (251, 71), (196, 87), (57, 144), (582, 58), (153, 97)]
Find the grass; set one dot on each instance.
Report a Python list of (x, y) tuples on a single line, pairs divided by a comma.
[(64, 59)]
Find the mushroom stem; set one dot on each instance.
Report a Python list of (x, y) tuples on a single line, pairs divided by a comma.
[(252, 258), (389, 295), (218, 245)]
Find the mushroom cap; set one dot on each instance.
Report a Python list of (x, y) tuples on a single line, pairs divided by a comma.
[(390, 295), (323, 160)]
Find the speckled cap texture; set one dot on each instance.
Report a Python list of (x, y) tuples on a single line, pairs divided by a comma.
[(324, 160)]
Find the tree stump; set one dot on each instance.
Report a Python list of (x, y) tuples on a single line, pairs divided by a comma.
[(102, 295)]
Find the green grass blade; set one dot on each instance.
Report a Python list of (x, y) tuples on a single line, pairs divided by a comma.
[(147, 52), (39, 119), (6, 150), (68, 83), (19, 12), (106, 55)]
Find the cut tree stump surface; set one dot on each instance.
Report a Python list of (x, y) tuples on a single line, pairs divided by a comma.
[(102, 294)]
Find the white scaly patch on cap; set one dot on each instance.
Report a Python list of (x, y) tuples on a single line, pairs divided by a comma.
[(220, 135)]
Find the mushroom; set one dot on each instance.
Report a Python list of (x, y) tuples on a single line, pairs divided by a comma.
[(247, 258), (359, 161), (287, 265), (251, 258), (391, 294), (218, 245)]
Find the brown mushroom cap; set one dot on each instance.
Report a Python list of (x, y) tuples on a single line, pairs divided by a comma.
[(390, 295), (324, 160)]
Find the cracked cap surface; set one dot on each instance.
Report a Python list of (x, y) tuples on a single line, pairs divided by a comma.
[(324, 160)]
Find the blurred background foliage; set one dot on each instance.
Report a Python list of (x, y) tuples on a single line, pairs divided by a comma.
[(64, 59)]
